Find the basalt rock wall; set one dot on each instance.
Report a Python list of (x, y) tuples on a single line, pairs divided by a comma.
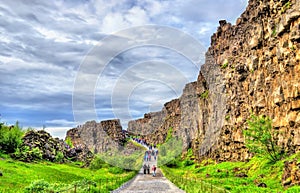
[(252, 66), (98, 137)]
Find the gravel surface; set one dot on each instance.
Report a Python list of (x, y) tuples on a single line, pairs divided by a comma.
[(142, 183)]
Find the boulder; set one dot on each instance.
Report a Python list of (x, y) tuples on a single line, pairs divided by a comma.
[(241, 175), (262, 185)]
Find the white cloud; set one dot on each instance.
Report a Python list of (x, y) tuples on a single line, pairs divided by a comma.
[(114, 22), (137, 16), (60, 122), (59, 132), (51, 34)]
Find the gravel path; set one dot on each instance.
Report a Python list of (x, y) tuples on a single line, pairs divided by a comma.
[(142, 183)]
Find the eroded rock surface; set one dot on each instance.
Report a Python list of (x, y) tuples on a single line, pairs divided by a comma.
[(253, 66), (98, 137)]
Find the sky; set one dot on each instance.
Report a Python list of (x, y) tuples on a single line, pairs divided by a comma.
[(64, 62)]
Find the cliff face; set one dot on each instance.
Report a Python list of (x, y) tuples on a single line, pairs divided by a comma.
[(154, 126), (253, 66), (98, 137), (147, 124)]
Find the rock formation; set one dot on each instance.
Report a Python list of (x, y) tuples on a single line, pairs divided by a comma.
[(98, 137), (291, 173), (253, 66), (41, 145)]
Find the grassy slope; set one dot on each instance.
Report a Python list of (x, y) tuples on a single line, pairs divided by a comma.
[(223, 174), (17, 175)]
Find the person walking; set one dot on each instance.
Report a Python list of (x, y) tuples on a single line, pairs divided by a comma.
[(148, 169), (145, 168), (154, 170)]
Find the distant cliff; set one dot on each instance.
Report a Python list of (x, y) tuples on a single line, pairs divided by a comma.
[(98, 137), (253, 66)]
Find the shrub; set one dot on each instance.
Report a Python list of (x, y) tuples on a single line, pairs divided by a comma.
[(36, 153), (260, 138), (43, 186), (84, 184), (37, 186), (189, 153), (69, 142), (97, 163), (204, 95), (169, 134), (115, 170), (188, 162), (59, 157), (26, 154), (10, 138), (174, 162)]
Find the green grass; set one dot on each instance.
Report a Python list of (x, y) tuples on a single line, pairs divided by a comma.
[(18, 175), (258, 170), (137, 145)]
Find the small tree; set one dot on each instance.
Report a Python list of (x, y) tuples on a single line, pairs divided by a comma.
[(10, 138), (260, 138)]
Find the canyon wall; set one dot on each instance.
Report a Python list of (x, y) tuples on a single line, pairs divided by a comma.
[(253, 66)]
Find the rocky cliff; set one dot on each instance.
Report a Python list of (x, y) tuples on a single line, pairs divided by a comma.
[(98, 137), (253, 66)]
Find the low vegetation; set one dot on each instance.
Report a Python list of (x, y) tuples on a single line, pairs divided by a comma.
[(130, 161), (233, 176), (44, 176), (260, 138), (204, 95), (225, 64), (10, 138), (169, 150), (263, 173)]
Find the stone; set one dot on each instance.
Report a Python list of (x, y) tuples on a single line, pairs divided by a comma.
[(262, 185), (287, 182), (296, 104), (278, 95), (241, 175)]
